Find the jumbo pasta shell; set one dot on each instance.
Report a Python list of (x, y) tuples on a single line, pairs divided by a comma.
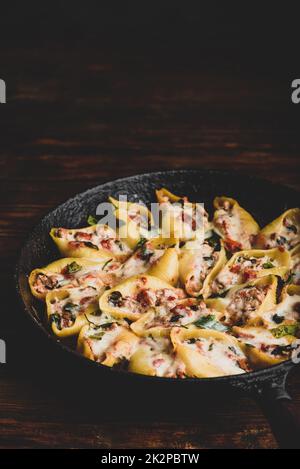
[(284, 231)]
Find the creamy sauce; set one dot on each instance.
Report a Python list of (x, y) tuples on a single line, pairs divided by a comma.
[(161, 358), (204, 260), (219, 353)]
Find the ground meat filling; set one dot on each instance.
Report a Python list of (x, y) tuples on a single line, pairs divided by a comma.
[(205, 260), (244, 303)]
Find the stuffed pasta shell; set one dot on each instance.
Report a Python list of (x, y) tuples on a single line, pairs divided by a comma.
[(245, 266), (135, 296), (109, 343), (265, 347), (155, 356), (72, 272), (67, 309), (234, 224), (209, 353), (135, 221), (199, 262), (166, 292), (154, 258), (287, 311), (283, 232), (158, 321), (95, 241), (246, 303)]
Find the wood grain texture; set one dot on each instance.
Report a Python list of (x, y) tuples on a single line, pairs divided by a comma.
[(86, 105)]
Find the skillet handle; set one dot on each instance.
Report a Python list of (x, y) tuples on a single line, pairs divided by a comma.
[(281, 412)]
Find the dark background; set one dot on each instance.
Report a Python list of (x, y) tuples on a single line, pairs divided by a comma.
[(99, 90)]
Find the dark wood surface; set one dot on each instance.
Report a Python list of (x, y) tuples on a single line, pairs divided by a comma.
[(90, 106)]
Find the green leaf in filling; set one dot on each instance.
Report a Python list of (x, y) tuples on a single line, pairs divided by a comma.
[(285, 329)]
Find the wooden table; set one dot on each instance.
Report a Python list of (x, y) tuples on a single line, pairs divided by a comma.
[(87, 107)]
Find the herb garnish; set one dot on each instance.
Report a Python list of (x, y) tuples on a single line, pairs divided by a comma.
[(70, 307), (290, 278), (214, 241), (105, 264), (210, 322), (88, 244), (92, 220), (140, 243), (268, 265), (282, 349), (56, 318), (285, 329), (176, 317)]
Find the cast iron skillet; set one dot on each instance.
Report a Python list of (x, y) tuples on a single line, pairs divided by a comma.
[(263, 199)]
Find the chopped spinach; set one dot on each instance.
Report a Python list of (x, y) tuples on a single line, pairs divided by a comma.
[(176, 317), (292, 228), (73, 268), (88, 244), (268, 265), (115, 298), (70, 307), (191, 341), (214, 241), (97, 334), (107, 325), (232, 349), (210, 322), (56, 318), (277, 319), (106, 263), (290, 278), (119, 244), (140, 243), (282, 349), (285, 329)]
